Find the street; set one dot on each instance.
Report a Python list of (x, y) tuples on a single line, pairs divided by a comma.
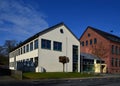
[(115, 81)]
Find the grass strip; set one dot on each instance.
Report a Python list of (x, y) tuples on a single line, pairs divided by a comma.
[(56, 75)]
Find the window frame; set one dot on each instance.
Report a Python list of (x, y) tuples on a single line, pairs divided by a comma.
[(36, 44), (46, 44), (31, 46), (57, 46), (91, 41)]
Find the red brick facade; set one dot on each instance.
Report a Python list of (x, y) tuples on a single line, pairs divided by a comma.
[(93, 38)]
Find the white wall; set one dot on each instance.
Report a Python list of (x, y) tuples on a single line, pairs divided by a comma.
[(27, 55), (49, 59)]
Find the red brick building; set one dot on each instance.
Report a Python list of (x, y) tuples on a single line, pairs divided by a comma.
[(94, 40)]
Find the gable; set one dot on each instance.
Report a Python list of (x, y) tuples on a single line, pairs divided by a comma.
[(45, 32)]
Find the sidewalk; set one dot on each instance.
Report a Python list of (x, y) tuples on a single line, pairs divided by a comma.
[(6, 78)]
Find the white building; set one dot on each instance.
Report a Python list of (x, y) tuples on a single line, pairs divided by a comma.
[(40, 53)]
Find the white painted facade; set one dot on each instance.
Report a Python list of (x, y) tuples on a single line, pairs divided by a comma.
[(48, 59)]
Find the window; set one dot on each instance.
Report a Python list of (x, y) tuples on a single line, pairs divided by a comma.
[(119, 50), (18, 51), (112, 49), (61, 31), (36, 44), (88, 34), (116, 50), (57, 46), (31, 59), (31, 46), (45, 44), (116, 62), (24, 49), (11, 64), (91, 42), (82, 43), (87, 43), (75, 57), (95, 40), (112, 62), (119, 62), (27, 48), (36, 61), (21, 50)]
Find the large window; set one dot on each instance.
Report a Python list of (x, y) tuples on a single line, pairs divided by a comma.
[(112, 62), (116, 62), (31, 46), (87, 43), (45, 44), (82, 43), (57, 46), (75, 58), (91, 42), (116, 50), (95, 41), (113, 50), (36, 61), (21, 51), (119, 50), (27, 48), (119, 62), (24, 49), (36, 44), (18, 51)]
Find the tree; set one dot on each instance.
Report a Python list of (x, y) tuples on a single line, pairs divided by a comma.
[(5, 49), (9, 45), (63, 59), (100, 51), (3, 59)]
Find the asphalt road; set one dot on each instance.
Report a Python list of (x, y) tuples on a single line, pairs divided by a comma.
[(64, 82)]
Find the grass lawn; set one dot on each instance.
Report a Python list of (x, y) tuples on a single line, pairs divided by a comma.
[(56, 75)]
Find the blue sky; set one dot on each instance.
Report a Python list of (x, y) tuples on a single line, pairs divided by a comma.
[(20, 19)]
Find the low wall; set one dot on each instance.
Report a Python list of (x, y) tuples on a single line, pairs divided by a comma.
[(16, 74)]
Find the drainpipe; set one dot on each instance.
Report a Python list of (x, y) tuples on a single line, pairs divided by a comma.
[(66, 53)]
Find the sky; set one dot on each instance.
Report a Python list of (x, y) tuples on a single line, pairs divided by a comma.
[(21, 19)]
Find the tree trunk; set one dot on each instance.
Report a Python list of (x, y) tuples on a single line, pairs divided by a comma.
[(63, 67)]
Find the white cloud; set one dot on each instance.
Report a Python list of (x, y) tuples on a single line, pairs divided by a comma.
[(20, 20)]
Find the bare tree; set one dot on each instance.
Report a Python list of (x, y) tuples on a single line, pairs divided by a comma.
[(5, 49), (100, 51), (10, 44), (63, 59)]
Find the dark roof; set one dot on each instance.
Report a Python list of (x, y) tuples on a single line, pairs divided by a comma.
[(89, 56), (106, 35), (41, 33)]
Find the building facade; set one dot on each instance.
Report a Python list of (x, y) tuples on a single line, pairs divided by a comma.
[(104, 45), (40, 53)]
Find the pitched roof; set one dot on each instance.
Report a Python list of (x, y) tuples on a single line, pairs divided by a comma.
[(43, 32), (106, 35)]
